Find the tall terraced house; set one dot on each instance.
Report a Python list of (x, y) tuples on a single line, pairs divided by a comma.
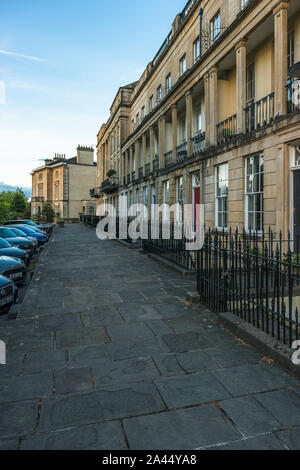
[(214, 118)]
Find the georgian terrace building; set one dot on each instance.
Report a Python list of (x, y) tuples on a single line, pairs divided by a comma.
[(214, 119), (65, 184)]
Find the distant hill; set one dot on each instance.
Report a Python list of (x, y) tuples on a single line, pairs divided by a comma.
[(7, 187)]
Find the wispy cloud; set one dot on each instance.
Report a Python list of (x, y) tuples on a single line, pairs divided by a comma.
[(20, 84), (23, 56)]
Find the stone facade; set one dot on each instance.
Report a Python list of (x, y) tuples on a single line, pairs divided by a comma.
[(213, 118), (65, 183)]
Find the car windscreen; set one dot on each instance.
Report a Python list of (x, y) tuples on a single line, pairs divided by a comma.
[(33, 229), (4, 243), (6, 233), (18, 232), (27, 230)]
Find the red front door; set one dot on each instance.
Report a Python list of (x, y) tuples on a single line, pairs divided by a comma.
[(196, 209)]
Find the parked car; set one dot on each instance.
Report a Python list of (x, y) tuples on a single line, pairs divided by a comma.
[(13, 269), (19, 233), (20, 242), (8, 294), (36, 229), (6, 249), (45, 227), (29, 232)]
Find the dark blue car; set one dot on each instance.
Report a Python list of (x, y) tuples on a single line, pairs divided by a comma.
[(20, 242), (8, 294), (6, 249), (31, 233)]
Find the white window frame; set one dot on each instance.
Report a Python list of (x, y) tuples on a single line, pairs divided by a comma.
[(249, 194), (151, 103), (199, 122), (215, 27), (196, 49), (220, 198), (168, 83), (159, 94), (250, 84), (182, 65)]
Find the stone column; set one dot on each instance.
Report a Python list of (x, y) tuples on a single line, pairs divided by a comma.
[(280, 32), (131, 157), (144, 152), (189, 121), (137, 156), (213, 104), (151, 130), (207, 110), (162, 140), (174, 131), (241, 78)]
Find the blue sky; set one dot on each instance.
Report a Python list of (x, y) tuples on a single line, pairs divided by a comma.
[(62, 62)]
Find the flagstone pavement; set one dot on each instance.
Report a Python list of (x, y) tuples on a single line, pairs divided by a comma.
[(106, 354)]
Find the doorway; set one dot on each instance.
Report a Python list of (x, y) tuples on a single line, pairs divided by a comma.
[(297, 208)]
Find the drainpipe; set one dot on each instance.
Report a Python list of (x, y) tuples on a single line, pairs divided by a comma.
[(200, 35)]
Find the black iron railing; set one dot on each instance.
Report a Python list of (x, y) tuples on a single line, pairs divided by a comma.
[(256, 277), (126, 236), (199, 143), (169, 158), (260, 114), (167, 246), (293, 95), (38, 199), (226, 130), (91, 220), (181, 152)]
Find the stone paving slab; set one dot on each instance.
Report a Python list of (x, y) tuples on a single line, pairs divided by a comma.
[(66, 339), (283, 404), (25, 387), (249, 379), (190, 390), (126, 332), (73, 380), (38, 361), (180, 430), (249, 416), (96, 437), (106, 373), (18, 418), (103, 405), (106, 353), (139, 348)]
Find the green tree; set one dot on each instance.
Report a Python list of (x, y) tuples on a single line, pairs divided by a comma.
[(13, 205), (48, 213), (19, 204)]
